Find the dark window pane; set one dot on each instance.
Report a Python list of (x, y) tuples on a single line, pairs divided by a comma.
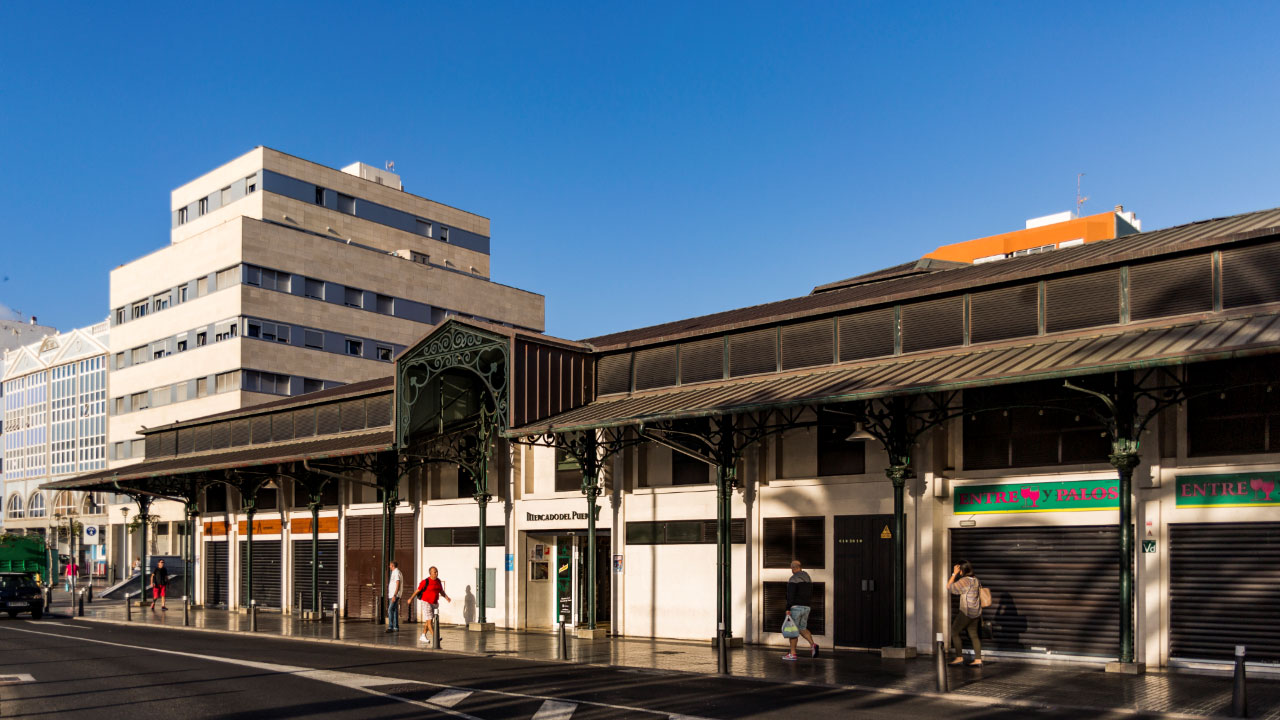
[(642, 533), (687, 470), (684, 532), (777, 542)]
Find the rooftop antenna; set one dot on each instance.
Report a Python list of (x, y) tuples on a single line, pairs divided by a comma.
[(391, 166), (1080, 199)]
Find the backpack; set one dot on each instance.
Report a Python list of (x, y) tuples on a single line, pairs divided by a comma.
[(984, 595)]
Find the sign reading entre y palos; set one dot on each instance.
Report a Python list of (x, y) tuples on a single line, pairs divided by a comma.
[(1066, 496), (1236, 490)]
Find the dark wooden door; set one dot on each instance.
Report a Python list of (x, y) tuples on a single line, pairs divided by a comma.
[(363, 557), (864, 580)]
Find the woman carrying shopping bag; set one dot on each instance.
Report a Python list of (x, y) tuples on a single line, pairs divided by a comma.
[(969, 617)]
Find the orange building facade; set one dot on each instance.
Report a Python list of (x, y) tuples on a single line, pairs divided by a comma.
[(1041, 235)]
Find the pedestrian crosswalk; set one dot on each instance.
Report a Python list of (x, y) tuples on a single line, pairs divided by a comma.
[(555, 710), (449, 697), (456, 699)]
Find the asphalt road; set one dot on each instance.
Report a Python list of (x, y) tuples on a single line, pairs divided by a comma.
[(64, 668)]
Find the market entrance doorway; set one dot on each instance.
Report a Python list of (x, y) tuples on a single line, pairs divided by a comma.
[(864, 580)]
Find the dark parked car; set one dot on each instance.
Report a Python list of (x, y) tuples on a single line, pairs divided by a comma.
[(19, 593)]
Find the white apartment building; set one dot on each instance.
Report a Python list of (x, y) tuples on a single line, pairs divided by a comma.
[(282, 277), (55, 419)]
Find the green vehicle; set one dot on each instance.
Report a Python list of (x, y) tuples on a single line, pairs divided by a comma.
[(19, 554)]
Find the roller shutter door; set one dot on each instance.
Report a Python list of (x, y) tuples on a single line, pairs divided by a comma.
[(326, 578), (266, 573), (215, 573), (1053, 589), (1224, 590)]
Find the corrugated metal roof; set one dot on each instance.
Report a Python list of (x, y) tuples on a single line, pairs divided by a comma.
[(314, 449), (1204, 233), (1166, 343)]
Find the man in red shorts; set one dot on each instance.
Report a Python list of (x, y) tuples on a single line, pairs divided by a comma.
[(431, 590), (159, 583)]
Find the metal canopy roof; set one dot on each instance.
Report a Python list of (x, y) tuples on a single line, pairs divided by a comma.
[(1167, 342), (313, 449)]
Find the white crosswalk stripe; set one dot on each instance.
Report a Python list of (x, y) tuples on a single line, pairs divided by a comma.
[(449, 698), (555, 710)]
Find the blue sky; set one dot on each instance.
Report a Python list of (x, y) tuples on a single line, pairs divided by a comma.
[(640, 162)]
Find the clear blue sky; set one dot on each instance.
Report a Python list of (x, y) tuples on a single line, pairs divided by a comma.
[(640, 162)]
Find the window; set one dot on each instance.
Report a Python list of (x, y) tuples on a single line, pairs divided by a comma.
[(138, 401), (444, 234), (568, 472), (386, 305), (182, 215), (310, 385), (180, 391), (160, 302), (119, 316), (424, 228), (225, 278), (161, 396), (157, 354), (313, 288), (1242, 419), (802, 538), (683, 532), (320, 196), (353, 297), (182, 294), (355, 347), (137, 448), (225, 196), (139, 355), (215, 499), (202, 286), (119, 451), (182, 346), (384, 353), (119, 406), (686, 470), (346, 204), (202, 387), (313, 339), (119, 360), (255, 330), (836, 454), (201, 338), (252, 275), (1025, 435), (14, 509), (420, 258), (203, 206), (139, 310), (251, 184), (227, 381)]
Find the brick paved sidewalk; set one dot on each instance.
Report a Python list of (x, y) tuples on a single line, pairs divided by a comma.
[(998, 682)]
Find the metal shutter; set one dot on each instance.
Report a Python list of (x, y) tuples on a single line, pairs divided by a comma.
[(327, 420), (304, 423), (1080, 301), (327, 575), (753, 352), (1171, 287), (1054, 589), (260, 430), (866, 335), (215, 573), (266, 573), (1249, 275), (808, 344), (379, 409), (613, 374), (1224, 590), (1006, 313), (239, 433), (777, 542), (775, 607), (933, 324), (353, 416), (702, 360), (656, 367)]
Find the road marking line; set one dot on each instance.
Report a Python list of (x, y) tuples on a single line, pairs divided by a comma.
[(16, 678), (450, 697), (363, 682), (555, 710)]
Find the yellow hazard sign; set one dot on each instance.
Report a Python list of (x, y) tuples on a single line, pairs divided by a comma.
[(885, 534)]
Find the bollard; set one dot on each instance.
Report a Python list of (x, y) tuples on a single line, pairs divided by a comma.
[(80, 611), (186, 612), (435, 632), (89, 589), (1239, 700), (564, 641), (253, 616), (941, 662), (128, 607), (337, 633), (722, 651)]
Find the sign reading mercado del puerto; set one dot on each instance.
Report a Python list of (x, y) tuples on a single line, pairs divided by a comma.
[(1236, 490), (1065, 496)]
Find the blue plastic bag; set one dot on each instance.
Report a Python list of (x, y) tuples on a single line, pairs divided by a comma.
[(789, 629)]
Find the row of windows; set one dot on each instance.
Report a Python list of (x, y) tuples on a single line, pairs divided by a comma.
[(63, 505), (192, 289), (223, 197), (317, 289)]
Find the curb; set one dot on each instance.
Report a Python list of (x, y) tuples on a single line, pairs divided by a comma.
[(958, 696)]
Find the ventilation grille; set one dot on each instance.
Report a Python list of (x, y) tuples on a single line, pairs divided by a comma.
[(169, 443), (656, 367), (327, 420), (613, 374), (866, 335), (702, 360), (239, 433), (808, 344), (1172, 287), (1082, 301), (379, 409), (200, 438), (304, 423), (753, 352), (1249, 276), (282, 426), (260, 429), (1006, 313), (352, 415), (220, 436), (933, 324), (187, 440)]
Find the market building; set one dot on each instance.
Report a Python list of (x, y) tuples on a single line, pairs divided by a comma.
[(1093, 427)]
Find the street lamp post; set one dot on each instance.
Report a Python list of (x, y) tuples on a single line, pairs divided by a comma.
[(124, 542)]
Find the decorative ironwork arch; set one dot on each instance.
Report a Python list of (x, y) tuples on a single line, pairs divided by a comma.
[(453, 347)]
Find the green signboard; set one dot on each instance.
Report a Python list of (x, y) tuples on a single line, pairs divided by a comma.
[(1066, 496), (1238, 490)]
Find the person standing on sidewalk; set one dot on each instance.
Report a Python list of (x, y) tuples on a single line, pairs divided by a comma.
[(394, 585), (431, 590), (799, 595), (969, 617), (159, 585)]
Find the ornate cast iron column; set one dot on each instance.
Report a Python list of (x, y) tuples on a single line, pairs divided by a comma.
[(144, 517)]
